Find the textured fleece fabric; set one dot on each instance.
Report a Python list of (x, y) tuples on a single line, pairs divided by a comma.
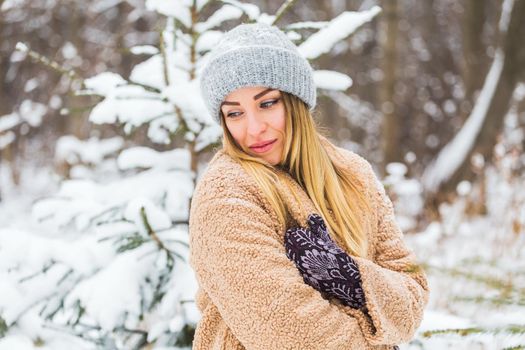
[(253, 297)]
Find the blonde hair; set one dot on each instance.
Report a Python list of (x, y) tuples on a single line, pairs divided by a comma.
[(330, 187)]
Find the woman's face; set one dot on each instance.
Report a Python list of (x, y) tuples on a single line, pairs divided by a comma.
[(255, 117)]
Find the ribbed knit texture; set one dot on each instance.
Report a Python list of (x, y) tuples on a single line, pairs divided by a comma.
[(253, 297), (255, 55)]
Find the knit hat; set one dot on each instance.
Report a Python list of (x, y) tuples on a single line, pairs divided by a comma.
[(255, 55)]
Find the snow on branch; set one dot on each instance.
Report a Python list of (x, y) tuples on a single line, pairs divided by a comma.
[(455, 152), (331, 80), (339, 28)]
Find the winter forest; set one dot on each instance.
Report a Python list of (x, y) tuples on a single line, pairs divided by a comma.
[(103, 136)]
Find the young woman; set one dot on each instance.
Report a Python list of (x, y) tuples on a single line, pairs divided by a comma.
[(293, 240)]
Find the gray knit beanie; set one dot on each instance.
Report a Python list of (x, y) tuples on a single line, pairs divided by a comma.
[(255, 55)]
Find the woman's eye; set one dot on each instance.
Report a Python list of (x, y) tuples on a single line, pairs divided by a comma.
[(268, 104), (233, 114)]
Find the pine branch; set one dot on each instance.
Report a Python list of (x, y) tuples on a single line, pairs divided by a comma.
[(282, 10), (149, 229), (84, 334), (146, 87), (70, 72), (162, 46), (511, 329), (3, 327), (495, 300), (130, 242), (111, 210), (44, 269), (154, 235), (505, 286)]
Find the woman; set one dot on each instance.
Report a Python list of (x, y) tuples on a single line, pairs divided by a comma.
[(293, 240)]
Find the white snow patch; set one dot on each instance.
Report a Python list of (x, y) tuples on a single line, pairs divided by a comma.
[(339, 28), (144, 50), (179, 9), (225, 13), (454, 153), (331, 80), (103, 83)]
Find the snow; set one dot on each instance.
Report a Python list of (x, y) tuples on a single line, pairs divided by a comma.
[(307, 25), (519, 93), (92, 151), (21, 46), (6, 139), (266, 18), (506, 11), (455, 152), (9, 121), (464, 187), (187, 97), (225, 13), (331, 80), (339, 28), (31, 84), (130, 104), (179, 9), (18, 342), (69, 51), (144, 157), (252, 11), (397, 170), (104, 83), (359, 113), (150, 72), (450, 107), (208, 39), (144, 50), (113, 292), (32, 112), (158, 219), (19, 55), (72, 233), (441, 320), (101, 6)]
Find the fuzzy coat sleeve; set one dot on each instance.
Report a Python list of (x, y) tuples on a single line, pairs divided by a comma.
[(238, 256), (394, 284)]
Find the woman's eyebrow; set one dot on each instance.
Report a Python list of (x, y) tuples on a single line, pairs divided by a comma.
[(256, 97), (261, 94), (230, 103)]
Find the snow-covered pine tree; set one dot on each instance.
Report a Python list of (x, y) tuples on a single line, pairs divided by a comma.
[(106, 266)]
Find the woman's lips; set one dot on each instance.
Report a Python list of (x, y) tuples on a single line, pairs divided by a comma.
[(264, 148)]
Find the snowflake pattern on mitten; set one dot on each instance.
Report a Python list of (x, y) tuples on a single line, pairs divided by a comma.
[(323, 264)]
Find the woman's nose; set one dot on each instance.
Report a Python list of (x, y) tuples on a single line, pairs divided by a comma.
[(256, 123)]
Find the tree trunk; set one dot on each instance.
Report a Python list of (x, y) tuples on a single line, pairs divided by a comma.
[(392, 122), (511, 52), (473, 49)]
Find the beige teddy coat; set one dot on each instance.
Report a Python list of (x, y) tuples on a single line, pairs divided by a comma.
[(252, 296)]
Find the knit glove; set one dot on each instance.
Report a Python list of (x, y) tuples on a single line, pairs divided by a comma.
[(323, 264)]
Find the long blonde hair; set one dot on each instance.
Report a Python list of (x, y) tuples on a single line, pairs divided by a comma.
[(330, 187)]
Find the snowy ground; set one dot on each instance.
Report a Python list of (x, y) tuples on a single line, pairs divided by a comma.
[(476, 267)]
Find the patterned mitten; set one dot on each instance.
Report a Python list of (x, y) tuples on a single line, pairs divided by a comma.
[(323, 264)]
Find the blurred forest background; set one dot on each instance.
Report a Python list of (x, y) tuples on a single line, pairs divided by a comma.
[(437, 105), (417, 69)]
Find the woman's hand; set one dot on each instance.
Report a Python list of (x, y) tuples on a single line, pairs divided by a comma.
[(323, 264)]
